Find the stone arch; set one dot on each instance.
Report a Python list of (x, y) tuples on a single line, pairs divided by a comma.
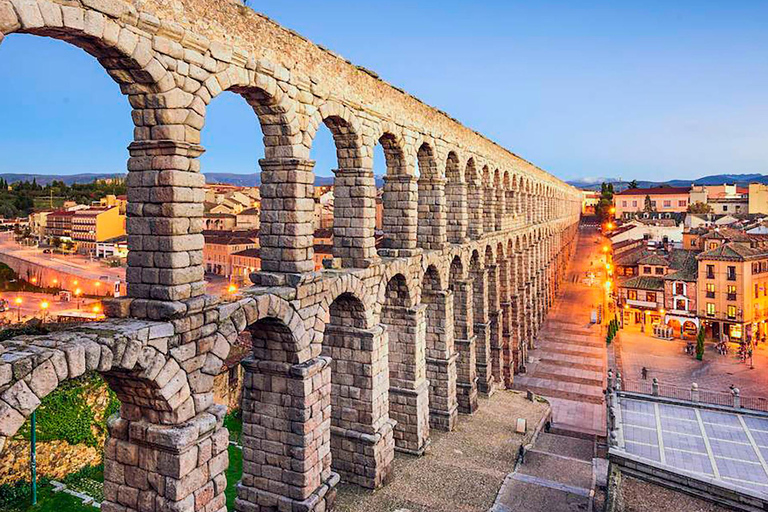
[(346, 129), (475, 199), (466, 382), (489, 200), (500, 208), (431, 193), (399, 199), (127, 57), (362, 442), (456, 200), (409, 391), (351, 285)]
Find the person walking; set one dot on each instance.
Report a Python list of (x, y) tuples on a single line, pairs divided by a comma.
[(644, 373)]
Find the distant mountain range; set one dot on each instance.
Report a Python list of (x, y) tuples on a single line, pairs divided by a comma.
[(242, 180), (715, 179), (254, 180)]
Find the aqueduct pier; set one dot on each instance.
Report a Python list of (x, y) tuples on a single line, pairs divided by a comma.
[(350, 363)]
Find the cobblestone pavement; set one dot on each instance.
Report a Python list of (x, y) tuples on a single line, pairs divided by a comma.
[(569, 363), (462, 470), (667, 361)]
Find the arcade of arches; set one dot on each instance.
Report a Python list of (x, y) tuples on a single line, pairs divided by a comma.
[(350, 363)]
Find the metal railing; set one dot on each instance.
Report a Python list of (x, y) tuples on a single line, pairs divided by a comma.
[(690, 394)]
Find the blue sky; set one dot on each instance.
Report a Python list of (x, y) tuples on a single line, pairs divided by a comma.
[(654, 90)]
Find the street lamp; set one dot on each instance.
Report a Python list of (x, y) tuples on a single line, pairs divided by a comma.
[(78, 291), (232, 288), (18, 302), (96, 309), (44, 308)]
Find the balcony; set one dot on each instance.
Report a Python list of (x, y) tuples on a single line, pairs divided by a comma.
[(645, 304)]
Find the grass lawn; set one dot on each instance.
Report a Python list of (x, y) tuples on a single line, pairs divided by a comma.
[(234, 473), (234, 423), (49, 501)]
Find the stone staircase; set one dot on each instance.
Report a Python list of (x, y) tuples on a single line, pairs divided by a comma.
[(558, 474)]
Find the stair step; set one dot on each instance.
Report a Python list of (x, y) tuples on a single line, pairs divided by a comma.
[(565, 395), (568, 446)]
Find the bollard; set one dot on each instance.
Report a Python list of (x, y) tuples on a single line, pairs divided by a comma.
[(736, 398), (694, 392), (655, 387)]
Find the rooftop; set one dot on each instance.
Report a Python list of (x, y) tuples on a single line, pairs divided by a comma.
[(717, 446), (653, 191)]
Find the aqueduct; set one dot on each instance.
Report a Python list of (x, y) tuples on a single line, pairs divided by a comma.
[(350, 363)]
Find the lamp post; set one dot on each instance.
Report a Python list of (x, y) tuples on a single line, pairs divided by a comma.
[(78, 291), (18, 302), (44, 309)]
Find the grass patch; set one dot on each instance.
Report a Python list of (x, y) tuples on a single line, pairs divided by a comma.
[(234, 423), (234, 474), (47, 501)]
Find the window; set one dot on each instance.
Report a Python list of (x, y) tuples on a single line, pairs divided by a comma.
[(682, 202), (632, 294), (650, 296), (679, 289), (680, 305), (757, 291), (630, 271), (710, 291), (667, 204), (731, 292), (634, 204), (660, 271), (710, 271), (731, 273), (710, 309), (653, 204), (646, 270), (732, 312), (624, 204)]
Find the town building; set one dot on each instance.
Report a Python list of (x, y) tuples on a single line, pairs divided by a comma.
[(248, 219), (93, 225), (733, 286), (661, 199), (221, 245), (589, 200), (219, 221), (59, 224), (758, 198)]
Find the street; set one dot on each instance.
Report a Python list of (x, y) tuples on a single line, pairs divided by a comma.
[(569, 364)]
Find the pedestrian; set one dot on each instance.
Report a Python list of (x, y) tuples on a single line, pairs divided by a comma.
[(644, 373)]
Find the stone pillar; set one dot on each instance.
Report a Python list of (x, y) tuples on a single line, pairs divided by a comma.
[(432, 228), (354, 218), (286, 234), (511, 209), (401, 201), (482, 329), (476, 210), (441, 361), (166, 467), (457, 215), (489, 209), (286, 436), (166, 192), (465, 341), (408, 385), (501, 210), (494, 331), (362, 442)]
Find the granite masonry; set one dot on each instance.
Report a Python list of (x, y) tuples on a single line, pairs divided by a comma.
[(350, 363)]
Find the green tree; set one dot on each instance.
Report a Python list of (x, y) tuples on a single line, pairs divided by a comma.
[(699, 207), (648, 205), (700, 344)]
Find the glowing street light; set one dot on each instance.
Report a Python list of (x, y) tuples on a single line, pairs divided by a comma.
[(232, 288), (18, 302), (96, 309), (613, 210), (78, 292), (605, 248), (44, 308)]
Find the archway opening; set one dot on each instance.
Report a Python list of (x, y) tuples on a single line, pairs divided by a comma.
[(399, 198), (232, 206), (408, 387)]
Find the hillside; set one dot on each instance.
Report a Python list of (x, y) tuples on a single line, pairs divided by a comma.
[(715, 179)]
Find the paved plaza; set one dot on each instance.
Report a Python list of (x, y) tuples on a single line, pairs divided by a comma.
[(667, 361), (569, 363)]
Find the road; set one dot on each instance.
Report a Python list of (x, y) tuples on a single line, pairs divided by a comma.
[(568, 365)]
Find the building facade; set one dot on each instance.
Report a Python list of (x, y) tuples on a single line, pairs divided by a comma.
[(662, 199)]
